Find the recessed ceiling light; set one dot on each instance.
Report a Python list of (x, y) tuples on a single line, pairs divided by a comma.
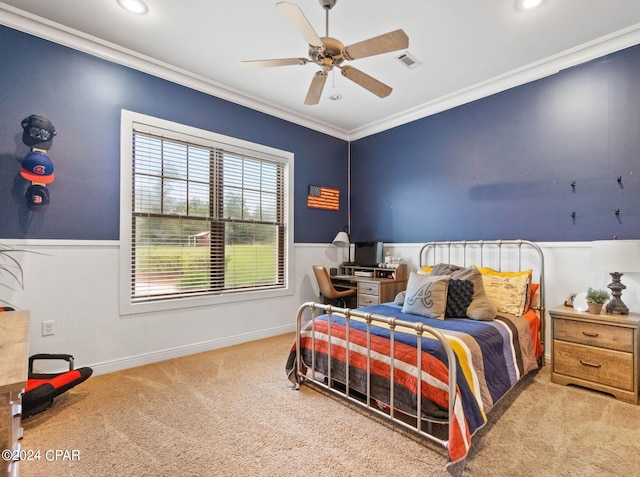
[(134, 6), (525, 5)]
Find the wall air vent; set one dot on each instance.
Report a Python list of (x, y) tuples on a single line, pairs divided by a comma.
[(408, 60)]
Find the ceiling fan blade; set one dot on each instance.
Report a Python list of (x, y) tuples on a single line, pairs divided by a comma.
[(367, 82), (315, 90), (274, 62), (392, 41), (297, 17)]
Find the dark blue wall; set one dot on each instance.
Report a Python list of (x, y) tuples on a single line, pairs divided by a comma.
[(502, 166), (495, 168), (83, 95)]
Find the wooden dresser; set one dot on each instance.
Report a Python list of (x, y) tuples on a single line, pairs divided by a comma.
[(14, 363), (596, 351)]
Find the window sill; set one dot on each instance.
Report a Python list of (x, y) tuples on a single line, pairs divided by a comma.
[(211, 300)]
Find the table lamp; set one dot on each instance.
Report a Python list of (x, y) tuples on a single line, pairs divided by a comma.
[(621, 256), (342, 240)]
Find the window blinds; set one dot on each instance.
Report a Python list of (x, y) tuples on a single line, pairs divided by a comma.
[(207, 218)]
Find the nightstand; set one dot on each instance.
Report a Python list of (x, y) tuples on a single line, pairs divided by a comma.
[(596, 351)]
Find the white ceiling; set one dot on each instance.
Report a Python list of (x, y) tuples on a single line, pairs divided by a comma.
[(468, 48)]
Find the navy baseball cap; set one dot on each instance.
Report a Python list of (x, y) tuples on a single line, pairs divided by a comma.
[(37, 167), (38, 132), (37, 197)]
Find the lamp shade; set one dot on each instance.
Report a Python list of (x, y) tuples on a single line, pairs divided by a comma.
[(615, 256), (341, 240)]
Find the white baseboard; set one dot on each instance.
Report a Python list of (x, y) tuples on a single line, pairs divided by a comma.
[(148, 358)]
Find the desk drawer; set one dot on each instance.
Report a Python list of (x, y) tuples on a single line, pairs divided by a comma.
[(594, 334), (369, 288), (368, 300), (603, 366)]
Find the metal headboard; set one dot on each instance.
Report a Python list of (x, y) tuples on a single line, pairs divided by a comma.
[(501, 255)]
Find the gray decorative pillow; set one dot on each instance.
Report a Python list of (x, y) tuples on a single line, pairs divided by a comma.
[(426, 295), (459, 297), (481, 308), (399, 300)]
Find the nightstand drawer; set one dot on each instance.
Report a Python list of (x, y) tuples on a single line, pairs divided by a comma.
[(369, 288), (594, 334), (603, 366)]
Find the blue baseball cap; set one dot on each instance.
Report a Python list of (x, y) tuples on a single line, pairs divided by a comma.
[(37, 167), (37, 197)]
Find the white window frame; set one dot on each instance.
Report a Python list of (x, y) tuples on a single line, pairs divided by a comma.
[(174, 130)]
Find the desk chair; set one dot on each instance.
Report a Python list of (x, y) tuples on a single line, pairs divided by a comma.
[(329, 294)]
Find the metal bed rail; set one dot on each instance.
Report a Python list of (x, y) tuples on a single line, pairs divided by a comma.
[(393, 323)]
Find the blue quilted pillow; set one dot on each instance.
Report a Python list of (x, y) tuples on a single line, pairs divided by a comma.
[(459, 297)]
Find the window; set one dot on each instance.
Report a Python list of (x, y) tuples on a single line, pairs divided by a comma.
[(205, 218)]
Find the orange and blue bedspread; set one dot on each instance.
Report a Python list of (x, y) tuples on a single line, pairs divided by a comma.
[(491, 357)]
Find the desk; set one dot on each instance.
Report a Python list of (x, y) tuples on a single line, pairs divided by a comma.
[(375, 289), (14, 349)]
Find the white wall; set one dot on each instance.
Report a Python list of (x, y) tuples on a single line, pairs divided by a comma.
[(76, 285)]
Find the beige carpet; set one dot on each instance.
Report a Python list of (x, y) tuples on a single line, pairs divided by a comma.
[(231, 412)]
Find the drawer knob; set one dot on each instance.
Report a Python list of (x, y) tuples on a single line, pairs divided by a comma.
[(590, 334), (592, 365)]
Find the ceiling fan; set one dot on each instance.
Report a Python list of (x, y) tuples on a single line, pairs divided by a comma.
[(328, 53)]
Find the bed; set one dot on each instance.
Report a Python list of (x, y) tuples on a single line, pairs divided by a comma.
[(470, 320)]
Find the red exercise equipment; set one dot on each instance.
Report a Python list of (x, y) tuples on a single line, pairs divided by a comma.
[(43, 388)]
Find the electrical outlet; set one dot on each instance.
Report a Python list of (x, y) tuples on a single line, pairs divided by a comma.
[(48, 328)]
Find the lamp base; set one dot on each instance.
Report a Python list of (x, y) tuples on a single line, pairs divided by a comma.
[(616, 305)]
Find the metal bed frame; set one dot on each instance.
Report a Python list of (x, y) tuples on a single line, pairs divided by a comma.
[(461, 252)]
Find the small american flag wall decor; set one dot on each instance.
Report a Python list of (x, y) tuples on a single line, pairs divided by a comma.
[(323, 198)]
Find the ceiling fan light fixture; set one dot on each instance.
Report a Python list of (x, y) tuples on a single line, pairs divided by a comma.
[(134, 6), (335, 97)]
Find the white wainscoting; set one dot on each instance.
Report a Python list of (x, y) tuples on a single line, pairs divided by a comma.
[(75, 283)]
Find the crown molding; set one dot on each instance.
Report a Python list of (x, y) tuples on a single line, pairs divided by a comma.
[(48, 30), (541, 69), (77, 40)]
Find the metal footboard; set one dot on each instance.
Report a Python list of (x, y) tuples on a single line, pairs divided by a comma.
[(393, 323)]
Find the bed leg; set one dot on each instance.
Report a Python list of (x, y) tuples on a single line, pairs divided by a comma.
[(456, 469)]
